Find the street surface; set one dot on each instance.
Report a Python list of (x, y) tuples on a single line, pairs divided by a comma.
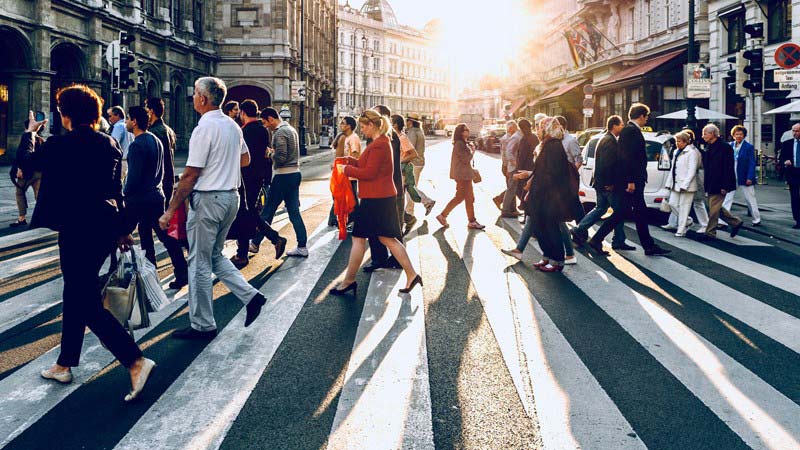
[(697, 350)]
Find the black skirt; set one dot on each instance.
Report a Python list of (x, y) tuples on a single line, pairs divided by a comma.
[(375, 217)]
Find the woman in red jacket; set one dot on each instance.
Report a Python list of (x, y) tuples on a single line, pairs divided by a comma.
[(376, 214)]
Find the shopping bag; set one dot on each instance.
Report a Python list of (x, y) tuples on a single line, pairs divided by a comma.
[(150, 283), (177, 225), (124, 296)]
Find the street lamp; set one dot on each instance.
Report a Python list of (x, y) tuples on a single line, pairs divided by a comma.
[(691, 118), (303, 149)]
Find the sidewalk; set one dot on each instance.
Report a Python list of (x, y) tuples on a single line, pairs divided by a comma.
[(314, 153), (776, 212)]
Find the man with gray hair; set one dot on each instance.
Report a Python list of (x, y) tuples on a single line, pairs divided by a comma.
[(217, 152), (720, 178), (506, 200)]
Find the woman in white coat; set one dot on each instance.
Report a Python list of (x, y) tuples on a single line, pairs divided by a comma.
[(683, 179)]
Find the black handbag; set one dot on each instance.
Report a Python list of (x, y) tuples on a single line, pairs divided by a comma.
[(245, 225)]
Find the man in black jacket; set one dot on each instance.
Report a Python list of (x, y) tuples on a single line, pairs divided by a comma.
[(607, 184), (257, 138), (790, 160), (633, 177), (720, 178)]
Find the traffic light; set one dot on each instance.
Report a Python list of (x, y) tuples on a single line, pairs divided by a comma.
[(125, 39), (125, 70), (755, 30), (737, 73), (754, 70)]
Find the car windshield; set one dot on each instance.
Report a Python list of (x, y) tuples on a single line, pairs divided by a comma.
[(654, 149), (584, 138)]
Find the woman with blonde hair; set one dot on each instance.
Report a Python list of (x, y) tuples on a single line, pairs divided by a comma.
[(550, 196), (462, 173), (686, 161), (376, 213)]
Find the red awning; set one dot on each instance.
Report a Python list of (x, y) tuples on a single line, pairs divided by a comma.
[(561, 91), (515, 106), (640, 70)]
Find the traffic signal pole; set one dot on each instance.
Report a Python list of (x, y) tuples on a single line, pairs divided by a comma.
[(691, 118)]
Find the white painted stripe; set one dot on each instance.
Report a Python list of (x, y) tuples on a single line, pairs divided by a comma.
[(763, 417), (385, 402), (573, 410), (740, 240), (198, 409), (25, 237), (27, 262), (774, 323), (774, 277)]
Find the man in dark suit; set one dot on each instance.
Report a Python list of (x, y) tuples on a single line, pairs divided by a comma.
[(790, 158), (633, 177), (608, 186), (720, 178)]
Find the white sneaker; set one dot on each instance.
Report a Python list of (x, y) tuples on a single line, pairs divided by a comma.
[(64, 377), (298, 251), (689, 222), (680, 234), (668, 227), (570, 261)]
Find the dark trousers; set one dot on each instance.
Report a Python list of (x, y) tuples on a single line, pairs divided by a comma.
[(285, 188), (252, 188), (634, 205), (794, 194), (82, 254), (379, 253), (147, 215), (549, 236)]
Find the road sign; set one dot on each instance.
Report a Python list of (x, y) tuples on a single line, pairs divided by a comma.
[(789, 86), (298, 91), (588, 103), (788, 55), (588, 89), (112, 53), (787, 76), (588, 112), (285, 113)]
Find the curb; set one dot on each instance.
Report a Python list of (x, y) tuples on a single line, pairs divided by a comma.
[(311, 158)]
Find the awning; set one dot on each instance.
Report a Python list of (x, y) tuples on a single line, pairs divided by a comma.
[(640, 70), (536, 101), (561, 91), (700, 113), (789, 108), (515, 106)]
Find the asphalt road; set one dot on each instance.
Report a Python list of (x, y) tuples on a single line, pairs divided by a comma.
[(696, 350)]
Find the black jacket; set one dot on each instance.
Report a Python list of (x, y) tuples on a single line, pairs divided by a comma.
[(168, 142), (719, 168), (81, 183), (787, 154), (608, 167), (553, 188), (257, 138), (28, 144), (633, 152)]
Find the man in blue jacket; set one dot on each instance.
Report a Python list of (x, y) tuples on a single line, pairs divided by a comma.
[(745, 157)]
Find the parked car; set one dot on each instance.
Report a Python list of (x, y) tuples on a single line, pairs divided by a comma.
[(489, 140), (585, 135), (659, 163)]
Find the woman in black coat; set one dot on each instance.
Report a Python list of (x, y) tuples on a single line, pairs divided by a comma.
[(81, 198), (549, 201)]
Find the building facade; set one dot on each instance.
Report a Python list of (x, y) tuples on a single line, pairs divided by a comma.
[(384, 62), (251, 44)]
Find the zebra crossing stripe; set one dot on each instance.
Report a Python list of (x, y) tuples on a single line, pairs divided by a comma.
[(774, 323), (25, 237), (763, 417), (385, 402), (197, 410), (571, 406), (774, 277)]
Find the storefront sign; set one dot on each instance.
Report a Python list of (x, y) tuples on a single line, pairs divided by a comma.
[(787, 76), (698, 80)]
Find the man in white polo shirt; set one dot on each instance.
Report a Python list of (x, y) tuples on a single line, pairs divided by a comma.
[(212, 176)]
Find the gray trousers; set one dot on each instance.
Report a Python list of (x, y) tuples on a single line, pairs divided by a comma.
[(510, 199), (210, 216)]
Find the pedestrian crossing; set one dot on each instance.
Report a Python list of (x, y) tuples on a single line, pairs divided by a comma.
[(696, 350)]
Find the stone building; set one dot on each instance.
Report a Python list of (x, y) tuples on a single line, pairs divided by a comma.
[(383, 61), (252, 44)]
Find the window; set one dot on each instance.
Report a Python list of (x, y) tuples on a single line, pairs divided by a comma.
[(735, 27), (376, 46), (149, 6), (673, 93), (376, 64), (779, 25), (197, 18), (177, 14)]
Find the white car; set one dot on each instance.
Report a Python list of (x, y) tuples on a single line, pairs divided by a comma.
[(659, 163)]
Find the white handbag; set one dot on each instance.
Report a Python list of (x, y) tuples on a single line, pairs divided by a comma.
[(123, 295)]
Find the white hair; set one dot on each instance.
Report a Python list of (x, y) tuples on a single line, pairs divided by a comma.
[(212, 88), (538, 117), (510, 123), (711, 128)]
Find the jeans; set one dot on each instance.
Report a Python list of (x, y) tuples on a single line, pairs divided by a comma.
[(82, 254), (566, 239), (527, 233), (252, 190), (285, 188), (604, 201), (210, 217)]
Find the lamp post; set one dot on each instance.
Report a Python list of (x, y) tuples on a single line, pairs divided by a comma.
[(691, 118), (303, 149)]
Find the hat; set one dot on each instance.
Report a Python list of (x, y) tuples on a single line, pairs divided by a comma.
[(414, 117)]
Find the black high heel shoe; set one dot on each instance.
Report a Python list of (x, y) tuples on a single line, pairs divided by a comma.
[(417, 280), (350, 287)]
